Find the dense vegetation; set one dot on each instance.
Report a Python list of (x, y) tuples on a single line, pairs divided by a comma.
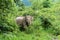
[(45, 26)]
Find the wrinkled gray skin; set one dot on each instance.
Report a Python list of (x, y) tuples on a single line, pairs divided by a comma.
[(24, 21)]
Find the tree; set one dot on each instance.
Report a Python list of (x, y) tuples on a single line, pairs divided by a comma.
[(19, 4), (39, 4), (6, 7)]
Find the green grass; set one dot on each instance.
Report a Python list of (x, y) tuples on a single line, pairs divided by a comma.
[(23, 36)]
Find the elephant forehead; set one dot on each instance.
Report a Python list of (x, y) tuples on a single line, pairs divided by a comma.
[(29, 18)]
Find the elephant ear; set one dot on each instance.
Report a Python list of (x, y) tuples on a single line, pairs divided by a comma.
[(29, 19)]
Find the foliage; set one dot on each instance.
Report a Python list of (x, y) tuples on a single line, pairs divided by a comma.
[(45, 26)]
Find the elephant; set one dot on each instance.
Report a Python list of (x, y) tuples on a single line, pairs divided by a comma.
[(24, 21)]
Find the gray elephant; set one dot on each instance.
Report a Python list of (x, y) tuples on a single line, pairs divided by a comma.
[(24, 21)]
